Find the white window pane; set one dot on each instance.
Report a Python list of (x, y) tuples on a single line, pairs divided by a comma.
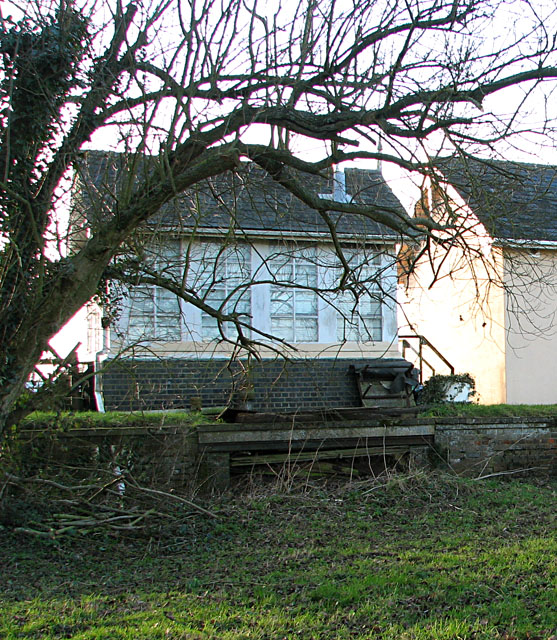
[(236, 286), (217, 271), (143, 306), (136, 332), (230, 330), (359, 319), (282, 304), (306, 303), (209, 327), (240, 304), (168, 304), (278, 260), (142, 300), (371, 329), (169, 261), (347, 330), (279, 308), (224, 274), (284, 274), (306, 275), (238, 255), (369, 307), (167, 329), (294, 310), (346, 304), (236, 270), (282, 293), (215, 296), (306, 329), (283, 328)]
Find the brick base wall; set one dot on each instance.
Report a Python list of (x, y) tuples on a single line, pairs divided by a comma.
[(481, 447), (270, 385), (155, 455)]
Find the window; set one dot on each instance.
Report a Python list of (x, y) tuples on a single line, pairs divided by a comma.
[(94, 329), (359, 310), (154, 312), (294, 310), (292, 298), (221, 274), (154, 315)]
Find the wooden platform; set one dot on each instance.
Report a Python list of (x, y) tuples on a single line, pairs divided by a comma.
[(302, 437)]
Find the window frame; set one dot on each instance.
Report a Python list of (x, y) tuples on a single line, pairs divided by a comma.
[(150, 330), (349, 304), (294, 257), (259, 258)]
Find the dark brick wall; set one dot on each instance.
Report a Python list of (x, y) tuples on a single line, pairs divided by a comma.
[(155, 455), (271, 385)]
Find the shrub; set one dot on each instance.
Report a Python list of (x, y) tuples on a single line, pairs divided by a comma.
[(436, 388)]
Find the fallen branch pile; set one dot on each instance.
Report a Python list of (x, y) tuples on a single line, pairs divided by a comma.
[(117, 504)]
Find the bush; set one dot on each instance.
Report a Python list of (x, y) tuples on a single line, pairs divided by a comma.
[(436, 388)]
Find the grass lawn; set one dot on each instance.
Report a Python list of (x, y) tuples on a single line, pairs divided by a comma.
[(418, 556), (472, 410)]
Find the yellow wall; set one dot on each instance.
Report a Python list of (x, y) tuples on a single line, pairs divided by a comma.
[(531, 318), (461, 314)]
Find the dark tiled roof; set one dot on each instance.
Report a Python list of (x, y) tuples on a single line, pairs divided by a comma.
[(249, 200), (513, 200)]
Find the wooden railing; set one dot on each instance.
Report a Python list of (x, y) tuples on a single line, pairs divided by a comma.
[(424, 345)]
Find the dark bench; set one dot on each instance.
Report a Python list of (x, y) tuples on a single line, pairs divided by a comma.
[(388, 382)]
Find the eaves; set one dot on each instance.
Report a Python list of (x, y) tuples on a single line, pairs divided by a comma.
[(272, 234), (514, 243)]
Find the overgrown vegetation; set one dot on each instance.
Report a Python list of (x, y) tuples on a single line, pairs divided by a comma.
[(439, 388), (86, 419), (105, 479), (92, 419), (468, 409), (416, 556)]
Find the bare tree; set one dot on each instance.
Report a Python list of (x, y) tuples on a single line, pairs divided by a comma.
[(200, 86)]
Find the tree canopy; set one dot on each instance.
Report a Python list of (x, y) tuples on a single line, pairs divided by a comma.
[(200, 86)]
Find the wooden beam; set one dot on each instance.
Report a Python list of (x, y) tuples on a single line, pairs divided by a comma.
[(308, 456), (212, 434)]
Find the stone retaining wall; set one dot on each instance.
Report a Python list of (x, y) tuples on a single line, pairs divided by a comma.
[(172, 456), (155, 456), (480, 446)]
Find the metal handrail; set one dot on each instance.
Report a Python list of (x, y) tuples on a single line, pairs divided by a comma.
[(421, 360), (423, 341)]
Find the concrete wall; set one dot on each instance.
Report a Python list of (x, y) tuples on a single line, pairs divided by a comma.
[(156, 455), (531, 308), (173, 457)]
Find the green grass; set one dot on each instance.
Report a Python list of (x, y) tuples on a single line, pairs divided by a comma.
[(419, 557), (117, 419), (465, 409), (91, 419)]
